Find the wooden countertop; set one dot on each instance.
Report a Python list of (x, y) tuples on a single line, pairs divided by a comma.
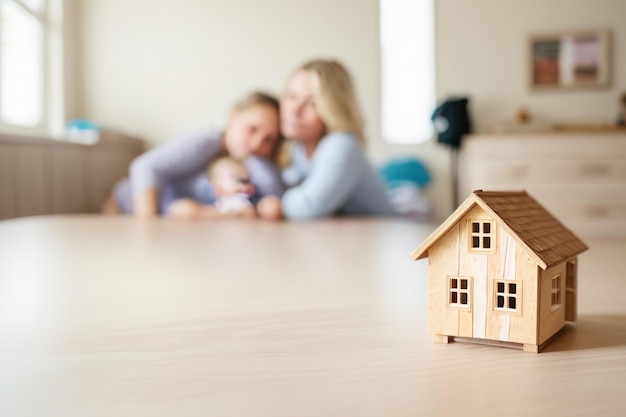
[(112, 317)]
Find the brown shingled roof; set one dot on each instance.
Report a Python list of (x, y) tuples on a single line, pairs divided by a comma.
[(545, 238)]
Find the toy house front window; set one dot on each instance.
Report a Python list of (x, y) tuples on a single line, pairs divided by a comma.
[(459, 292), (482, 234), (556, 292), (508, 296)]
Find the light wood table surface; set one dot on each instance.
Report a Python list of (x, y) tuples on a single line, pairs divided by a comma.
[(112, 317)]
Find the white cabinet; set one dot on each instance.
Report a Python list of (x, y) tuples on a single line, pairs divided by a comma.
[(579, 177)]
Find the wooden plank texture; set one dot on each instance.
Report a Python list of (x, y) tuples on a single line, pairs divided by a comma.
[(443, 262), (33, 181), (106, 316), (68, 181)]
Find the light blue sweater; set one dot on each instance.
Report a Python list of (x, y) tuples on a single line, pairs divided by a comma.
[(338, 179)]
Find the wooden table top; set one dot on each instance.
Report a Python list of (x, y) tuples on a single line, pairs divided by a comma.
[(106, 316)]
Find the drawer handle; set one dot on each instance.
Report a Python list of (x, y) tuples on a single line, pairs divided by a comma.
[(597, 211), (595, 169), (518, 171)]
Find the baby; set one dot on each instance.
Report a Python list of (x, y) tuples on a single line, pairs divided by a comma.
[(231, 186)]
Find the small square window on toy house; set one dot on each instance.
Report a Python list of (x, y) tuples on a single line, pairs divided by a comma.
[(570, 276), (482, 236), (556, 292), (508, 296), (459, 292)]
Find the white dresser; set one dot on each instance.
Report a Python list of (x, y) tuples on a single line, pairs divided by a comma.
[(579, 177)]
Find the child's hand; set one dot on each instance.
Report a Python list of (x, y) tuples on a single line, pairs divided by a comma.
[(268, 208), (184, 209)]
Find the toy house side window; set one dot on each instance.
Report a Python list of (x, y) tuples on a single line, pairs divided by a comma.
[(459, 292), (508, 296), (556, 292), (570, 276), (482, 234)]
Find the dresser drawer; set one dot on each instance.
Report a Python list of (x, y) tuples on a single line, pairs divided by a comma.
[(590, 210), (569, 192), (556, 171), (590, 217), (542, 146), (580, 178), (587, 209)]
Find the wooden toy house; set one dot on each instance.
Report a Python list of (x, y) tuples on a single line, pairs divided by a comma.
[(503, 270)]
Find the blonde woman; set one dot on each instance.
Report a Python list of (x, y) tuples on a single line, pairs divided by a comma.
[(329, 173)]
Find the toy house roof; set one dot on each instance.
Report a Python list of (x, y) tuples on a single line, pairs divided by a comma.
[(546, 239)]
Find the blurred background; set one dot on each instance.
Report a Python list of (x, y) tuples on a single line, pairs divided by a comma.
[(156, 69)]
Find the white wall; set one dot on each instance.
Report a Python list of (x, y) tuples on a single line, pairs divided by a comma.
[(481, 48), (482, 52), (165, 67), (158, 68)]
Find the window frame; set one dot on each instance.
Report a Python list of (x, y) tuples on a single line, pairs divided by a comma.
[(481, 235), (49, 17), (518, 295), (570, 276), (459, 291), (556, 292), (407, 25)]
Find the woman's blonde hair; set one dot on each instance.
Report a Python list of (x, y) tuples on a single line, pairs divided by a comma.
[(334, 96)]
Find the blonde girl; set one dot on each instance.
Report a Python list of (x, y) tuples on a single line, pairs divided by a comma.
[(170, 179)]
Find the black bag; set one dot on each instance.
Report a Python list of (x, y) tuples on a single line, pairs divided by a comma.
[(451, 121)]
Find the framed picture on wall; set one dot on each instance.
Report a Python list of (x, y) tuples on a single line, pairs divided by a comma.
[(578, 59)]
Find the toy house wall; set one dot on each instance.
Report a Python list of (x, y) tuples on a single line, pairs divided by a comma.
[(443, 261), (511, 262), (450, 256), (551, 320)]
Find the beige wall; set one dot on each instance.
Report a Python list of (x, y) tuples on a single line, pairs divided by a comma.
[(482, 52), (72, 84), (165, 67), (158, 68)]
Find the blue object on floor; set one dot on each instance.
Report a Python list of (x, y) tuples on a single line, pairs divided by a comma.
[(401, 171)]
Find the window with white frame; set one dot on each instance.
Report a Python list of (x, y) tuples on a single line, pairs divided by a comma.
[(481, 233), (30, 63), (556, 292), (459, 292), (508, 296), (407, 39)]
